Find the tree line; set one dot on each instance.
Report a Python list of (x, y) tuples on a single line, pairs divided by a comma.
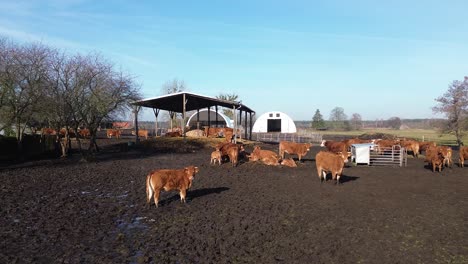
[(41, 86), (453, 104)]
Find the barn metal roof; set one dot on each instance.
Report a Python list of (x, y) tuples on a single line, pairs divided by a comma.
[(174, 102)]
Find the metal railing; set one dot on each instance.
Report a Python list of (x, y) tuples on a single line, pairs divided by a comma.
[(389, 156)]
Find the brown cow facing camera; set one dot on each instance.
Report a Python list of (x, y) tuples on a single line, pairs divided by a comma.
[(329, 162), (169, 179)]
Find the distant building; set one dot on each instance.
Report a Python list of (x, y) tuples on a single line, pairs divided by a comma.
[(274, 121)]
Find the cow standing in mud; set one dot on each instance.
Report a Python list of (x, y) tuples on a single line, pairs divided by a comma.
[(169, 179), (292, 148), (329, 162)]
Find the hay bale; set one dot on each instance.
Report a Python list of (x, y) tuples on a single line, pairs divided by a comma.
[(195, 133)]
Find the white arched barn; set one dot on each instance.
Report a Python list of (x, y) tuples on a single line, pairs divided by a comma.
[(274, 121), (200, 119)]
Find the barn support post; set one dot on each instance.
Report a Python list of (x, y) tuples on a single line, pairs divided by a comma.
[(250, 126), (183, 115), (135, 111), (156, 113), (198, 119), (245, 125), (216, 116), (235, 123), (240, 122), (209, 122)]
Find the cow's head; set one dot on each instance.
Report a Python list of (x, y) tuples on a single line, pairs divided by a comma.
[(190, 171), (344, 155)]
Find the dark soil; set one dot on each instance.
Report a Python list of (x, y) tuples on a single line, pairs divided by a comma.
[(72, 211)]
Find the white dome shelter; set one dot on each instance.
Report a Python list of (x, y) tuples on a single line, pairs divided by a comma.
[(222, 120), (274, 121)]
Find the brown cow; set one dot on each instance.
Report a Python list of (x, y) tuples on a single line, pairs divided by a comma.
[(173, 134), (352, 141), (411, 145), (169, 179), (423, 145), (463, 156), (84, 133), (289, 163), (434, 158), (231, 150), (141, 133), (329, 162), (215, 156), (382, 144), (266, 156), (48, 131), (334, 146), (292, 148), (447, 154), (113, 133)]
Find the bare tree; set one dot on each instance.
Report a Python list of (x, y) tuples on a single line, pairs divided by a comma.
[(338, 118), (231, 98), (22, 76), (170, 87), (454, 105), (356, 121), (103, 94), (394, 122)]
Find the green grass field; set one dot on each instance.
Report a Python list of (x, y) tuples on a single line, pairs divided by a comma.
[(419, 134)]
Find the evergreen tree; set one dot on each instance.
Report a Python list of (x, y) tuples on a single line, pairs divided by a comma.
[(317, 120)]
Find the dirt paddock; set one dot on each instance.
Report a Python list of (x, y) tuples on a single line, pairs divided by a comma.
[(70, 211)]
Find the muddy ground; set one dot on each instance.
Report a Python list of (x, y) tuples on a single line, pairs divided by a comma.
[(71, 211)]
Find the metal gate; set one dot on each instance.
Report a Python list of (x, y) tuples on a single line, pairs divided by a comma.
[(389, 156)]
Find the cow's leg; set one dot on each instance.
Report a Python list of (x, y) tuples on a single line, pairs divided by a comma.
[(182, 195), (338, 179), (156, 197), (149, 190), (324, 175)]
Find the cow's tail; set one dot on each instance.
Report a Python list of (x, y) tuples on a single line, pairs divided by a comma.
[(149, 189)]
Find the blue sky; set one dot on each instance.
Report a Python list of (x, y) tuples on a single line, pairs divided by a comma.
[(376, 58)]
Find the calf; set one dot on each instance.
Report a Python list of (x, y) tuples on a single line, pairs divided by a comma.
[(463, 156), (266, 156), (288, 163), (447, 154), (292, 148), (231, 150), (215, 156), (329, 162), (169, 179), (434, 158)]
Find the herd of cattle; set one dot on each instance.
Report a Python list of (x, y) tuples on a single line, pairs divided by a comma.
[(330, 161)]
